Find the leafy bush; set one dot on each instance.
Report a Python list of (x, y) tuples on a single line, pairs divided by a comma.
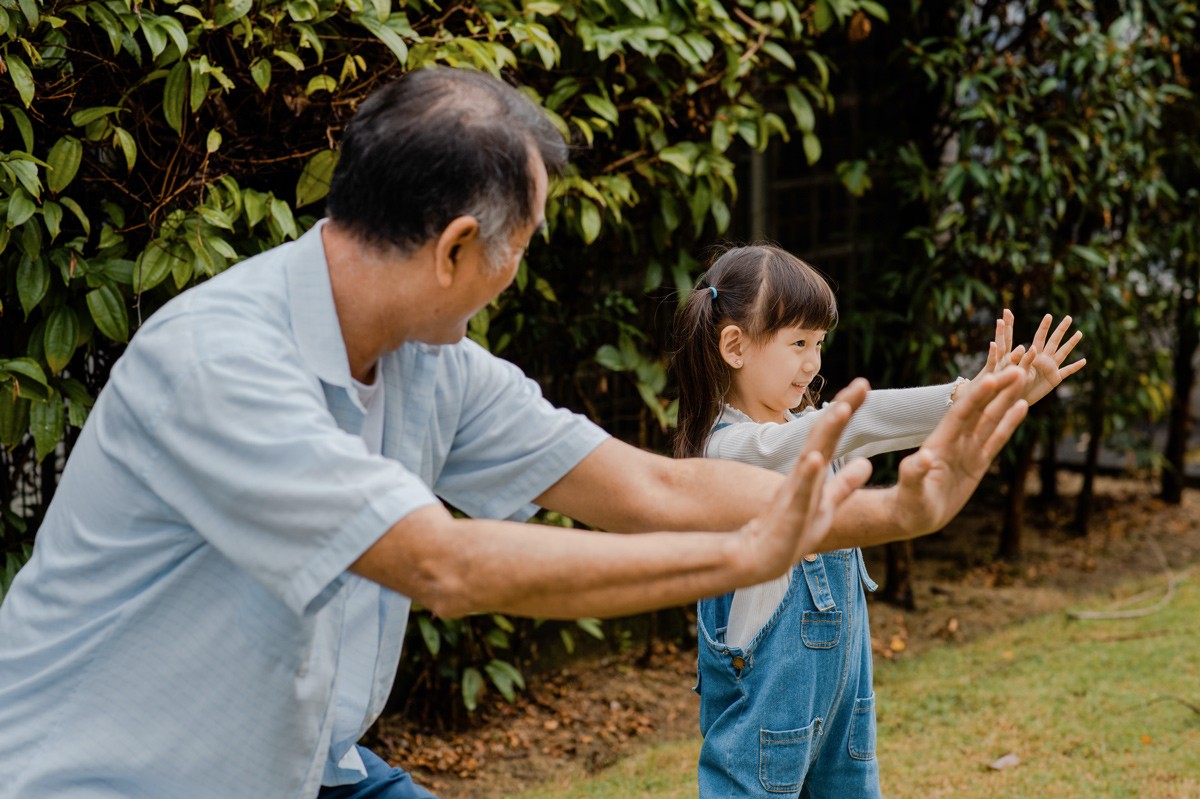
[(148, 146)]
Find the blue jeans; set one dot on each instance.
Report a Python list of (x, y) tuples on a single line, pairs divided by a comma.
[(382, 782), (793, 713)]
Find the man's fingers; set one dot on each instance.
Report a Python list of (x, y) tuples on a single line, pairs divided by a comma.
[(1003, 431), (851, 477), (989, 400), (825, 433)]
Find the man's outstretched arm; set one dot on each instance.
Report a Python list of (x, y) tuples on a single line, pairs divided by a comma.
[(456, 566)]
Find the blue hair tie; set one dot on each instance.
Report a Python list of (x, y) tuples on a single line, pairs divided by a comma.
[(713, 289)]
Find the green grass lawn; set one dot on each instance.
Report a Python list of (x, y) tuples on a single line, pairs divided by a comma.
[(1092, 709)]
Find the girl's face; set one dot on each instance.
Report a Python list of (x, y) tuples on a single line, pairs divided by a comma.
[(775, 374)]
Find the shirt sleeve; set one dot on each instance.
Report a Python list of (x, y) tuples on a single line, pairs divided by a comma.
[(511, 444), (889, 420), (243, 447)]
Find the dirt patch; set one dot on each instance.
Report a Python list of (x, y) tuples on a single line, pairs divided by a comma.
[(588, 715)]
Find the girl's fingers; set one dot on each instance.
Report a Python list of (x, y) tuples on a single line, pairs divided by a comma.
[(1056, 340), (1039, 338), (1027, 358), (1071, 369)]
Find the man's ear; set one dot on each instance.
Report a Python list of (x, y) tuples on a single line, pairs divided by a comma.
[(732, 343), (460, 235)]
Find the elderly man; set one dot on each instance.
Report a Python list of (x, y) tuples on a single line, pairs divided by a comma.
[(217, 597)]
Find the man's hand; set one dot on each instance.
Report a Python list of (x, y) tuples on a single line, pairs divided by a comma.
[(802, 510), (938, 479)]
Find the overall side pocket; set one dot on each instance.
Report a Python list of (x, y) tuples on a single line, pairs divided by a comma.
[(783, 757), (862, 729)]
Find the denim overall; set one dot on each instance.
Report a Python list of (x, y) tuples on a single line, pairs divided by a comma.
[(793, 713)]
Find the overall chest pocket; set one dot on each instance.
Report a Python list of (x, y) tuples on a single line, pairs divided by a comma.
[(821, 629)]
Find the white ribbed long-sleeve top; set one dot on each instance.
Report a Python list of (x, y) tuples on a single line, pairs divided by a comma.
[(889, 420)]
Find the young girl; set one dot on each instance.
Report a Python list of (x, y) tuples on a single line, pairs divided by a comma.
[(784, 672)]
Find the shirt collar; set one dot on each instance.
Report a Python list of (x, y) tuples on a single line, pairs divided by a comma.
[(314, 316)]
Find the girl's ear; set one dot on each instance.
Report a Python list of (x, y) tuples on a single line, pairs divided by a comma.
[(731, 344)]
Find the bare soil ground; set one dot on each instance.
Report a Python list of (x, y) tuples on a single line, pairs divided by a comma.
[(591, 713)]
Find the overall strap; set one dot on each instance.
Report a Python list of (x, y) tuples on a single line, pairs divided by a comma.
[(818, 582)]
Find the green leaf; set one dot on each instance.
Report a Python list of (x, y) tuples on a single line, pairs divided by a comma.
[(153, 266), (79, 401), (90, 115), (812, 148), (321, 83), (156, 38), (589, 221), (610, 357), (260, 71), (433, 640), (22, 78), (313, 183), (14, 417), (27, 367), (26, 173), (383, 33), (1089, 254), (472, 687), (505, 677), (21, 120), (52, 215), (681, 156), (61, 337), (801, 109), (30, 9), (47, 422), (20, 207), (291, 59), (591, 626), (601, 107), (74, 208), (64, 159), (779, 54), (175, 96), (231, 12), (108, 311), (33, 280), (213, 142), (124, 140)]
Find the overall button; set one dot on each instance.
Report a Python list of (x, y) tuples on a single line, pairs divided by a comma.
[(810, 558), (739, 662)]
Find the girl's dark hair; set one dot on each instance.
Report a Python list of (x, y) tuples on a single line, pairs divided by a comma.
[(760, 288), (436, 144)]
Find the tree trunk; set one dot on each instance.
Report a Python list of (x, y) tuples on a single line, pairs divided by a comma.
[(1179, 424), (1014, 506), (1084, 504), (1048, 468), (897, 588)]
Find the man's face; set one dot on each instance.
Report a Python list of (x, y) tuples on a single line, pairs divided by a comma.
[(482, 281)]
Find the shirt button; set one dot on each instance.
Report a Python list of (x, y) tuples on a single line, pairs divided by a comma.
[(810, 558)]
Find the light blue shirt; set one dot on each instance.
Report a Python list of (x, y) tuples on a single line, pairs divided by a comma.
[(186, 626)]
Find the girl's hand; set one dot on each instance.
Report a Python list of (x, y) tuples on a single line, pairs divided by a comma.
[(1043, 362), (1000, 350)]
